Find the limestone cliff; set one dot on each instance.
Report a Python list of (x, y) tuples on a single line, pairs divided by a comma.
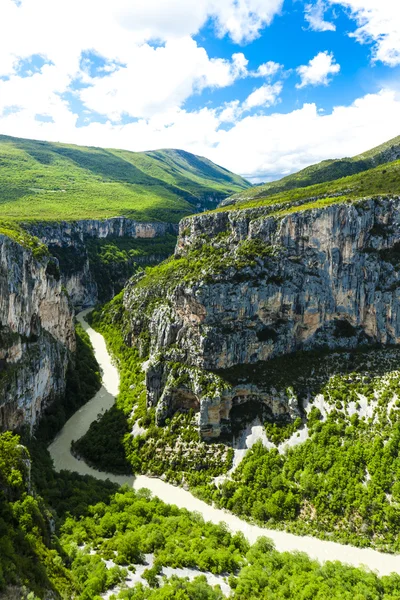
[(246, 286), (36, 334), (69, 242)]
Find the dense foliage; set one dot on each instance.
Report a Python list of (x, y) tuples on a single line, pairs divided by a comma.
[(127, 528), (343, 481), (27, 556), (134, 525), (114, 260), (269, 575), (49, 181), (94, 535)]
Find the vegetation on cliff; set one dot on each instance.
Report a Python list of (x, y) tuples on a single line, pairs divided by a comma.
[(83, 381), (340, 483), (93, 535), (204, 262), (329, 486), (113, 260), (18, 234), (174, 451)]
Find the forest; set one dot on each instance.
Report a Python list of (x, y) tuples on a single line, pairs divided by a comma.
[(108, 533)]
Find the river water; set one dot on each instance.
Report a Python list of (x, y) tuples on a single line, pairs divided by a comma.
[(79, 423)]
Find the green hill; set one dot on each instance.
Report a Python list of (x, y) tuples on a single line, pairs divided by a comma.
[(382, 180), (327, 170), (52, 181)]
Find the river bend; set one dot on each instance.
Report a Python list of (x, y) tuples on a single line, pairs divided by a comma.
[(79, 423)]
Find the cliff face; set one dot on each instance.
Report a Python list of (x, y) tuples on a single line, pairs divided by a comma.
[(68, 241), (36, 334), (266, 287)]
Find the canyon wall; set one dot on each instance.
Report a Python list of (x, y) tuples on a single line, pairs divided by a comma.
[(265, 286), (68, 241), (36, 334)]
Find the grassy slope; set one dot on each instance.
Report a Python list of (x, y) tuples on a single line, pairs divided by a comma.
[(327, 170), (48, 181), (384, 179)]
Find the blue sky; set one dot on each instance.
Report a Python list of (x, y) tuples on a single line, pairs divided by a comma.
[(263, 87)]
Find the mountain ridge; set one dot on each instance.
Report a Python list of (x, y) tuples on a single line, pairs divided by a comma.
[(50, 181), (324, 171)]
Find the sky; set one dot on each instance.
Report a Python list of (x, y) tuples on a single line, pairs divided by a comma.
[(261, 87)]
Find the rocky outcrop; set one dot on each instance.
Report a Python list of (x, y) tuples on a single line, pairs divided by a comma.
[(66, 232), (68, 241), (36, 334), (266, 286)]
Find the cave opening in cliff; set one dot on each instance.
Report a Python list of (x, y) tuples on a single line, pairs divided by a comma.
[(183, 401), (244, 412)]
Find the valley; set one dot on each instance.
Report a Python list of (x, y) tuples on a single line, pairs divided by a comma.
[(383, 564), (232, 351)]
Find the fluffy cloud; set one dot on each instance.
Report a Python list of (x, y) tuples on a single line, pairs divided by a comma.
[(242, 20), (314, 14), (154, 80), (318, 70), (266, 147), (150, 62), (267, 70), (62, 29), (378, 22), (266, 95)]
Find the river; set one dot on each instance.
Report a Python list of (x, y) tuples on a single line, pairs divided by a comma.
[(79, 423)]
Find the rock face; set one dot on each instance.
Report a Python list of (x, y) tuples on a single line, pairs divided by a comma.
[(311, 279), (68, 242), (36, 335)]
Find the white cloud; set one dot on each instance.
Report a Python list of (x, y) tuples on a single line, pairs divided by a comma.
[(62, 29), (378, 22), (138, 78), (318, 70), (243, 19), (230, 112), (267, 70), (269, 146), (266, 95), (157, 79), (314, 14)]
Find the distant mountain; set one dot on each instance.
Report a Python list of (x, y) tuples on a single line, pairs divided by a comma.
[(327, 170), (52, 181)]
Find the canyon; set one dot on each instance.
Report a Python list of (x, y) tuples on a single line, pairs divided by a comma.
[(38, 296), (60, 451), (69, 242)]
